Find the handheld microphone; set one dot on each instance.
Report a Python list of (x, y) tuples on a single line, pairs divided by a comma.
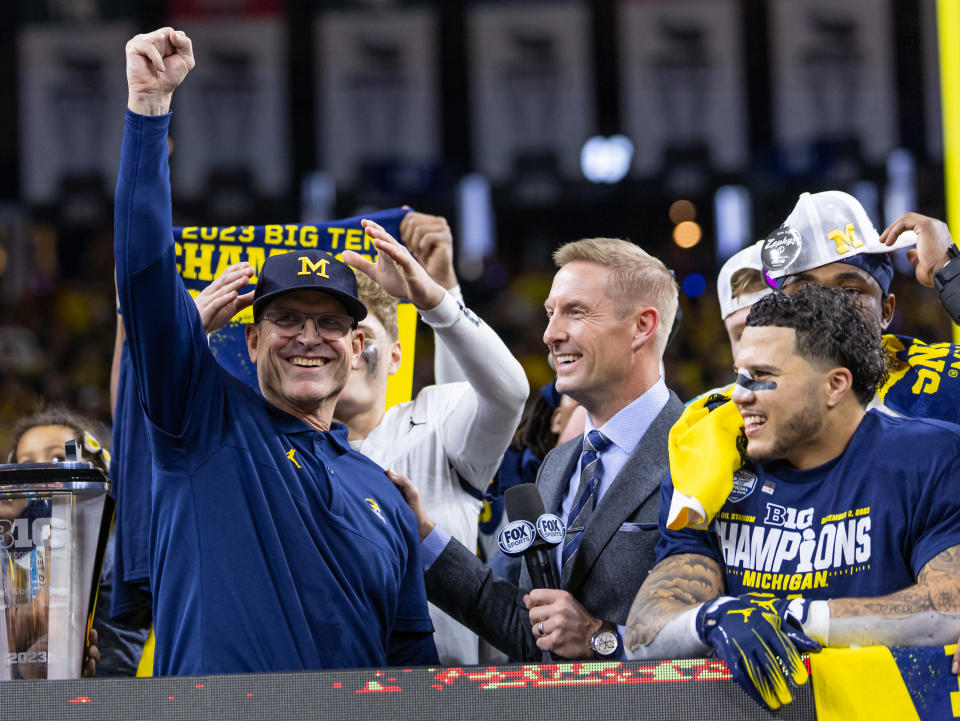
[(524, 507)]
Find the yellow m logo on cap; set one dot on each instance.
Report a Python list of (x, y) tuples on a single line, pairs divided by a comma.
[(845, 239), (307, 266)]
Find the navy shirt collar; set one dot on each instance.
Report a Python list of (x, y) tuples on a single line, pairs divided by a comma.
[(290, 425)]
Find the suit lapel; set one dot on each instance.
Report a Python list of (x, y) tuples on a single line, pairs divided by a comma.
[(555, 472), (638, 479)]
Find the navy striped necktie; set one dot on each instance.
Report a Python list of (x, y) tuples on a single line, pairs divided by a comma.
[(591, 471)]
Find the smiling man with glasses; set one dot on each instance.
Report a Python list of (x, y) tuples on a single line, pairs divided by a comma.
[(274, 545)]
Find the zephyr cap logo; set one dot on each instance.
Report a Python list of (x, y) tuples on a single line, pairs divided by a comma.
[(781, 248), (551, 528), (516, 537)]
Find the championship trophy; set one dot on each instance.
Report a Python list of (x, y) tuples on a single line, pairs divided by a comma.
[(54, 523)]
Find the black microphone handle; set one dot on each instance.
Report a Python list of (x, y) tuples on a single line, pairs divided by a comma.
[(540, 568)]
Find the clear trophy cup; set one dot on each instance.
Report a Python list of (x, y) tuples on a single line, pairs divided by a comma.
[(54, 522)]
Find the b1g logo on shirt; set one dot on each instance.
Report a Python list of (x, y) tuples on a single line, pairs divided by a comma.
[(788, 517)]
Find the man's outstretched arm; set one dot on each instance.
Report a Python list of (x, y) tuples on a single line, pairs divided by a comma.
[(676, 586), (924, 614), (679, 613)]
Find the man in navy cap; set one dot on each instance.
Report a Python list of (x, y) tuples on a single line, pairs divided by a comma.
[(274, 545)]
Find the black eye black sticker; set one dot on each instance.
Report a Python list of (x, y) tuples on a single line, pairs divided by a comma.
[(747, 383)]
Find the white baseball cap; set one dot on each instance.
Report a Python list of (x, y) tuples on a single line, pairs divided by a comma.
[(827, 227), (748, 258)]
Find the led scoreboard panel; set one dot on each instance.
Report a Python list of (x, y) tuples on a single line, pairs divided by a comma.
[(687, 690)]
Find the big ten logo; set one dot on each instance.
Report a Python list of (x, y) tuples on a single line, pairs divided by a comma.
[(845, 239), (788, 517), (204, 253), (21, 533)]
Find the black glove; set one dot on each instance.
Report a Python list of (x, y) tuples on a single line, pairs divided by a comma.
[(748, 639)]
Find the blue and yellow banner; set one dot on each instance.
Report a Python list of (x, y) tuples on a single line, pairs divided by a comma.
[(203, 253), (885, 683)]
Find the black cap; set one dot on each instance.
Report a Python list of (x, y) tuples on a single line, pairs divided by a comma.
[(307, 270)]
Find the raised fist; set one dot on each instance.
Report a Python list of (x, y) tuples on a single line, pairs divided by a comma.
[(157, 63)]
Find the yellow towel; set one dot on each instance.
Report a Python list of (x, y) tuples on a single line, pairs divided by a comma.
[(862, 684), (706, 446)]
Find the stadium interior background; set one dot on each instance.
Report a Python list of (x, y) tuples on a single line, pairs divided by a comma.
[(707, 119)]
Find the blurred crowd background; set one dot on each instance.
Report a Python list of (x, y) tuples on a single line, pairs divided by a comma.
[(687, 126)]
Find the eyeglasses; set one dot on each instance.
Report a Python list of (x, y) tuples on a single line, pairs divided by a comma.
[(290, 323)]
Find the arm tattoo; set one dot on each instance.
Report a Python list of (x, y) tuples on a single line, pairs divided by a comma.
[(674, 584), (937, 589)]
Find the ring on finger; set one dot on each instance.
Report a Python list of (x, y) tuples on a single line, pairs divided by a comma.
[(540, 632)]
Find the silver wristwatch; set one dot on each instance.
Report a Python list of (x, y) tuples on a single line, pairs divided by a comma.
[(605, 642)]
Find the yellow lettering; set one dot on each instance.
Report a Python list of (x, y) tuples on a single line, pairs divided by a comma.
[(197, 267), (749, 578), (255, 257), (209, 233), (929, 356), (354, 236), (820, 579), (291, 235), (765, 580), (226, 234), (927, 382), (178, 252), (845, 239), (807, 581), (795, 580), (229, 254), (308, 236), (272, 234), (189, 233), (778, 582), (247, 233), (335, 234), (307, 266), (486, 513), (954, 695)]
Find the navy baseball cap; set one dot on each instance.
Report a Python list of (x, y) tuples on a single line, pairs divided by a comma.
[(307, 270)]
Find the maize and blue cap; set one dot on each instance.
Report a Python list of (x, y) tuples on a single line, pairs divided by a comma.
[(307, 270)]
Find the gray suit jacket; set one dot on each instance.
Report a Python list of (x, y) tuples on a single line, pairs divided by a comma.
[(615, 555)]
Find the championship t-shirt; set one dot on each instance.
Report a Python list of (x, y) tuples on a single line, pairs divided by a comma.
[(862, 524)]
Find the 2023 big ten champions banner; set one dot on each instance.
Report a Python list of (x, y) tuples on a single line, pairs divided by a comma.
[(204, 253)]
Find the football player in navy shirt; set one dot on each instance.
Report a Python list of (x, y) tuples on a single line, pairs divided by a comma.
[(843, 527)]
